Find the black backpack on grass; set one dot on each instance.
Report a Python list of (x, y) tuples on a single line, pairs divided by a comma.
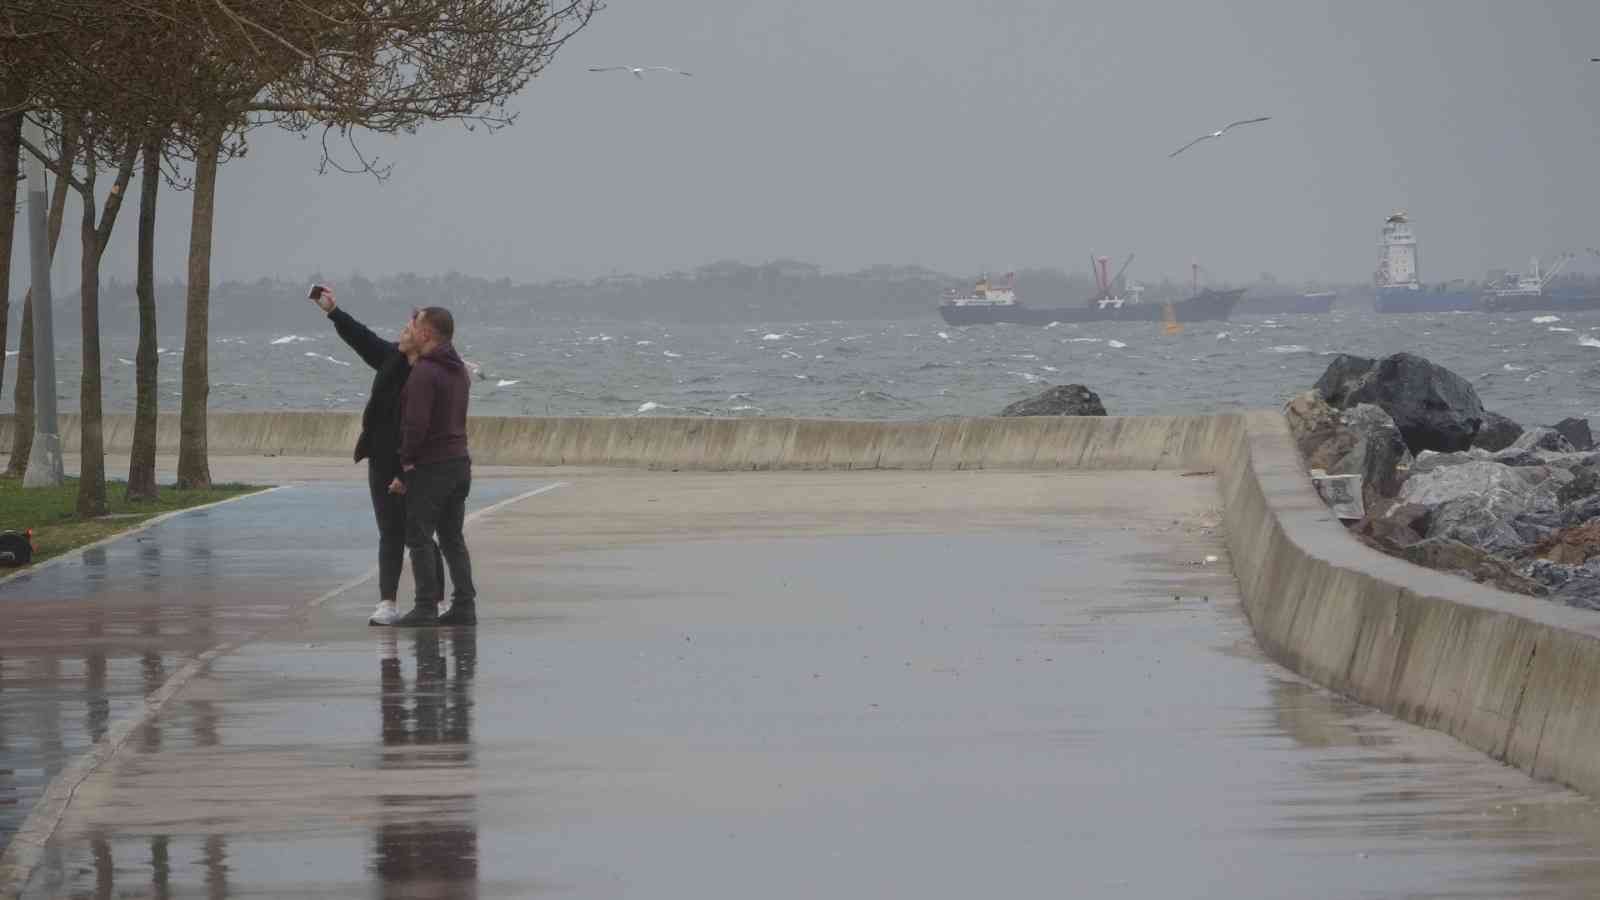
[(16, 548)]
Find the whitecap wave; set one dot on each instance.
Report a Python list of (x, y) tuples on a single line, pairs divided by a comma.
[(1029, 377), (290, 339), (1115, 345), (1560, 328), (326, 358), (1083, 340), (1545, 320), (1588, 341), (507, 382), (774, 337), (1289, 348), (670, 355)]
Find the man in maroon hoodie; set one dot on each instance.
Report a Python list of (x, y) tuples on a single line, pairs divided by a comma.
[(436, 472)]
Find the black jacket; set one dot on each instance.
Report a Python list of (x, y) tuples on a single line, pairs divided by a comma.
[(380, 421)]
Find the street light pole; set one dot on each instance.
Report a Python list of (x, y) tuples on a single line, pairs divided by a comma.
[(44, 460)]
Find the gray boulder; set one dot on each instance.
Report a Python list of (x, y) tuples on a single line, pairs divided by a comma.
[(1518, 458), (1434, 408), (1342, 376), (1429, 460), (1449, 555), (1061, 400), (1541, 438), (1378, 453), (1581, 511), (1481, 503), (1577, 433), (1497, 432), (1585, 483)]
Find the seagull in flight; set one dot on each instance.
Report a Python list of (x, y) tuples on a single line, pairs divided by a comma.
[(1216, 134), (638, 71)]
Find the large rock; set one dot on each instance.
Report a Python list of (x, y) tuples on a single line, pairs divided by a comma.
[(1318, 432), (1435, 408), (1497, 432), (1572, 546), (1061, 400), (1395, 529), (1541, 438), (1585, 483), (1449, 555), (1429, 460), (1377, 455), (1577, 433), (1496, 508), (1343, 375)]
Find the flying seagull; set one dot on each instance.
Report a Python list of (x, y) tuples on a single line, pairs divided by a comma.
[(1216, 134), (638, 71)]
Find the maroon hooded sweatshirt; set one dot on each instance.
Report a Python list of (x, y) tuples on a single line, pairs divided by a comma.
[(433, 409)]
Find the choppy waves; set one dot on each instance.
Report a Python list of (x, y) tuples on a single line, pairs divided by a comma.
[(1535, 368)]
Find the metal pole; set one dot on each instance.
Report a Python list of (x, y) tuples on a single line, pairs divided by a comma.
[(44, 461)]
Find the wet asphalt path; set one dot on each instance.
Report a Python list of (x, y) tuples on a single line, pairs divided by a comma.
[(811, 684), (87, 638)]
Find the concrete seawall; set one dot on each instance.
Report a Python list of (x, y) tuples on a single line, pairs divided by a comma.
[(1513, 676)]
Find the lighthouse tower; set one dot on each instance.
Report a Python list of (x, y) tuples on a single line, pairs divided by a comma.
[(1397, 263)]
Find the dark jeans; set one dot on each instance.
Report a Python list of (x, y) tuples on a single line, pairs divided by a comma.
[(436, 502), (390, 510)]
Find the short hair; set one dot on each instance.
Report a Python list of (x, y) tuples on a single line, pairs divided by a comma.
[(439, 321)]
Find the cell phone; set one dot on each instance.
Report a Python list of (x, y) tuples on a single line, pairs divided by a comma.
[(316, 292)]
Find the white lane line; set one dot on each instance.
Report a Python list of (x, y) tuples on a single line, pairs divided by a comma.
[(27, 845)]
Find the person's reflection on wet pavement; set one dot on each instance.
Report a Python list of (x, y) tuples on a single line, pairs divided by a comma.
[(426, 844)]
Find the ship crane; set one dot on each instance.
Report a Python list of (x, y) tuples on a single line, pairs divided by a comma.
[(1101, 266)]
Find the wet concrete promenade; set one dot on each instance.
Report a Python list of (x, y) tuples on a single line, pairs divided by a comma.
[(857, 684)]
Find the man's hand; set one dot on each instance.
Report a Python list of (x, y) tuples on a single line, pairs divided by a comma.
[(397, 487), (325, 301)]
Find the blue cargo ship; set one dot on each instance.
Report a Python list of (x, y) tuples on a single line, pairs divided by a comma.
[(1399, 290)]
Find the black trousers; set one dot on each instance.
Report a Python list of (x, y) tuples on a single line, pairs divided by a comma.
[(436, 502), (390, 511)]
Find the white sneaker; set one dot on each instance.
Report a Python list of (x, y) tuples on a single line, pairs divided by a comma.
[(387, 613)]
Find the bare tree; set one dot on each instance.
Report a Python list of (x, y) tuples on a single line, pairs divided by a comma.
[(353, 66)]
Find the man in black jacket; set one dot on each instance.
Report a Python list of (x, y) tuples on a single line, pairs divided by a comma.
[(379, 444)]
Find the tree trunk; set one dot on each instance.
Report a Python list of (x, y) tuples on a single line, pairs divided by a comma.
[(92, 450), (142, 463), (194, 469), (22, 396), (10, 148), (22, 420), (91, 419)]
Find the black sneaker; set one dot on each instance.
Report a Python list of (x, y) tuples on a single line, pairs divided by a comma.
[(465, 613), (421, 615)]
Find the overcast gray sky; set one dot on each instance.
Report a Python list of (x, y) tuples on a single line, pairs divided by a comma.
[(986, 134)]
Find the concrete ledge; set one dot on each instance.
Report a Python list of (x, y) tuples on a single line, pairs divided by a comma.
[(724, 444), (1515, 677)]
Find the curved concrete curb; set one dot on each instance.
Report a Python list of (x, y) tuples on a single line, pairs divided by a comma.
[(1515, 677)]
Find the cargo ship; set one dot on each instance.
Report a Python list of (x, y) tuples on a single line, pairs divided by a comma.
[(1530, 292), (1117, 301), (1399, 290)]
